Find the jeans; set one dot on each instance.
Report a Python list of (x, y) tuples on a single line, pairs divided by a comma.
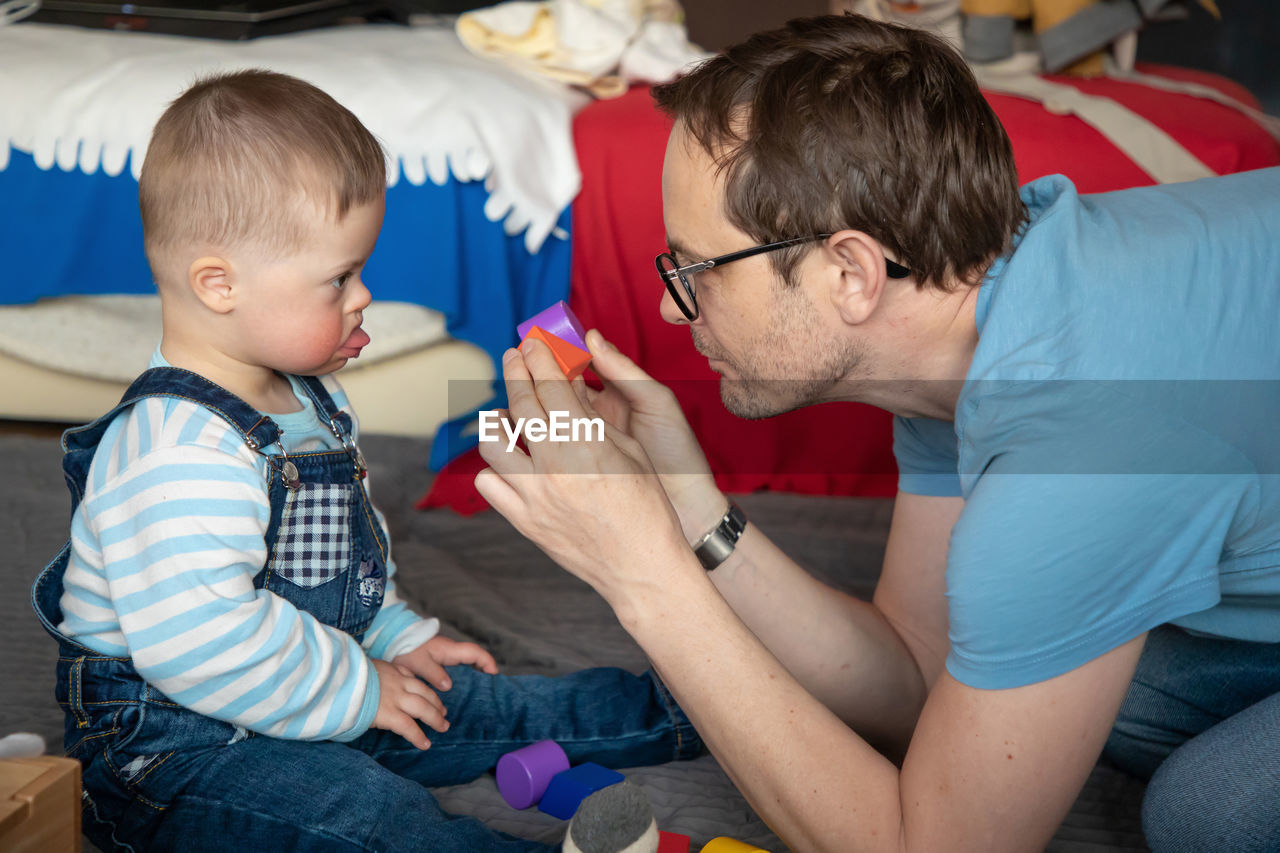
[(1201, 722), (159, 777)]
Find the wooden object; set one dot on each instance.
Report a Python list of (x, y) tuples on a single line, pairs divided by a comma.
[(40, 805)]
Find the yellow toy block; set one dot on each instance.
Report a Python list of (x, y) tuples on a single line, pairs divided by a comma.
[(724, 844)]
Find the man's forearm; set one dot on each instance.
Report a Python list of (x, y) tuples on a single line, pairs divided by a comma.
[(840, 648), (813, 780)]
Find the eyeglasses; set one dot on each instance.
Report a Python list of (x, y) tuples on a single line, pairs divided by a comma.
[(671, 271)]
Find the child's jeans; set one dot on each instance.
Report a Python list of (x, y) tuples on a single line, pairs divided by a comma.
[(159, 777)]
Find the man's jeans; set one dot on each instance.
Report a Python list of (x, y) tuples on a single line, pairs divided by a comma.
[(1202, 723), (159, 777)]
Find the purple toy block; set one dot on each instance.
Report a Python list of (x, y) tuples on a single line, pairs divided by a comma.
[(523, 774), (559, 321), (571, 787)]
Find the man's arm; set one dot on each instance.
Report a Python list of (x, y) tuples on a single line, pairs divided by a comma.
[(870, 664), (911, 593), (986, 770)]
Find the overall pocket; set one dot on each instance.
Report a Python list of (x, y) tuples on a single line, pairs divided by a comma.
[(313, 545)]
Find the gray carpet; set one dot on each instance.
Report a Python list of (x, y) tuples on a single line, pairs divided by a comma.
[(488, 584)]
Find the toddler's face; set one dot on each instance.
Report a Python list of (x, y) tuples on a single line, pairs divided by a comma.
[(303, 312)]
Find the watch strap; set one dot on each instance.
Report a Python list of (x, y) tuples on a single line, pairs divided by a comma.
[(716, 546)]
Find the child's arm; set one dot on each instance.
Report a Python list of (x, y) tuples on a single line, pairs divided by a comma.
[(182, 534)]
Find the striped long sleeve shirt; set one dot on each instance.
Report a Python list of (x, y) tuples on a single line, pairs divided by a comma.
[(164, 549)]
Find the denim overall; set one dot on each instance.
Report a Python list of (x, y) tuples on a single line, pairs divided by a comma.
[(160, 776)]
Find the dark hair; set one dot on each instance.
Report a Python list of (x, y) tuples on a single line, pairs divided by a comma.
[(229, 156), (844, 122)]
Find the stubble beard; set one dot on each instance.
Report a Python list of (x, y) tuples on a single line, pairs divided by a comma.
[(759, 389)]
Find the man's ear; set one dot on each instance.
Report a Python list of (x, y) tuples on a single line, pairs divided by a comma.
[(858, 274), (210, 279)]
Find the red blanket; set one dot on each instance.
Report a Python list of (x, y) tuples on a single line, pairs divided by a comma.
[(842, 449)]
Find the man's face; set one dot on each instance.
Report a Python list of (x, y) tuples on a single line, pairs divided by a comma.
[(775, 346)]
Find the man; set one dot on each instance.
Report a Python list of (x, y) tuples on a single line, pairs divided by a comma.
[(1085, 549)]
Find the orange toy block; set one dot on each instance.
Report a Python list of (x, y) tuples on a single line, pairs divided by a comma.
[(571, 359), (673, 842)]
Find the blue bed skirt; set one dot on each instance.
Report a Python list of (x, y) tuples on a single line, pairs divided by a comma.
[(68, 233)]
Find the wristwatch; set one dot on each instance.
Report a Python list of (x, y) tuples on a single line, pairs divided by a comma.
[(714, 548)]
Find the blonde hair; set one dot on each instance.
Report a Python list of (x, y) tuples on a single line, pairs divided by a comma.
[(233, 159)]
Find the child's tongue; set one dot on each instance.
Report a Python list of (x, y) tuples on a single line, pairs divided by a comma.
[(358, 339)]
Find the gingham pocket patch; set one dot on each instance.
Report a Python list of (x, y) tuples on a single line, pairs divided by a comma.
[(314, 542)]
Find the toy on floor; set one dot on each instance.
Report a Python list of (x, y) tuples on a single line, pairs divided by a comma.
[(723, 844), (568, 789), (561, 331), (523, 774), (673, 842), (617, 819), (540, 774)]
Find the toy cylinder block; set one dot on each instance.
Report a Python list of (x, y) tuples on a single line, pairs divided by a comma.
[(730, 845), (523, 774), (568, 789), (560, 321)]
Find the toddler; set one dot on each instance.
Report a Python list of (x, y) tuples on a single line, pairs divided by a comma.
[(237, 669)]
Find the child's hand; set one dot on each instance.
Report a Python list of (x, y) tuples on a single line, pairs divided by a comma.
[(403, 700), (428, 660)]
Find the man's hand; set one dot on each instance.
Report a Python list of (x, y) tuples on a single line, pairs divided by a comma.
[(428, 660), (403, 700), (639, 406), (592, 506)]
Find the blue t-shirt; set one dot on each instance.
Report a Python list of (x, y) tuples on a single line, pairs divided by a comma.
[(1117, 439)]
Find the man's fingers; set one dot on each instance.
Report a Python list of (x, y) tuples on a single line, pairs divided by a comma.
[(554, 391), (505, 462), (499, 493), (609, 363), (522, 400)]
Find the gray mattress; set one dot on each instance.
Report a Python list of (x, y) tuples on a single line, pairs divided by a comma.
[(490, 585)]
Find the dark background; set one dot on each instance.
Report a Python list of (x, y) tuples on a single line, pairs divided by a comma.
[(1244, 45)]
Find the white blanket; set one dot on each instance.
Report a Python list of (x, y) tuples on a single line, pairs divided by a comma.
[(87, 99)]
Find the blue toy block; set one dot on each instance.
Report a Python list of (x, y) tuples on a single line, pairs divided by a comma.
[(574, 785)]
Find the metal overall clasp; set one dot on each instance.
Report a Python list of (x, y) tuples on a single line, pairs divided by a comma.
[(288, 472), (349, 445)]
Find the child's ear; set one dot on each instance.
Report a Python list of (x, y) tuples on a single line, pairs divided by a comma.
[(210, 280)]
